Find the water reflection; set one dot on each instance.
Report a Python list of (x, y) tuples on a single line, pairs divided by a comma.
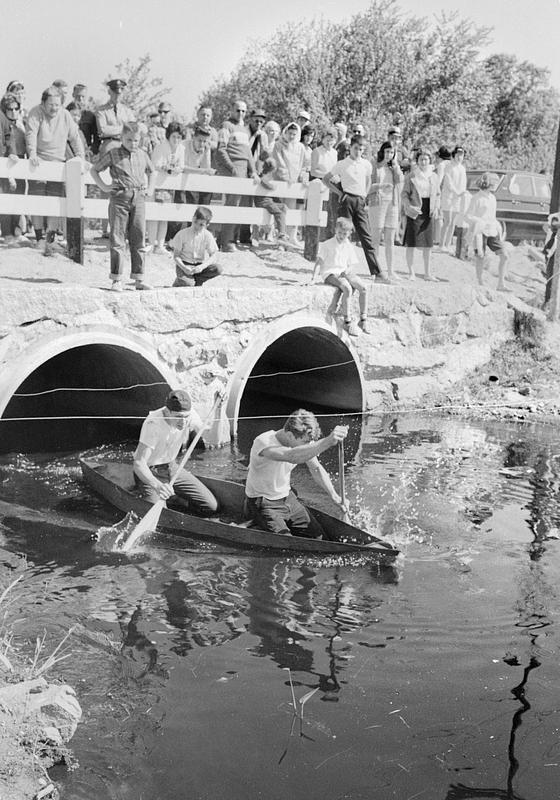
[(291, 607), (206, 603)]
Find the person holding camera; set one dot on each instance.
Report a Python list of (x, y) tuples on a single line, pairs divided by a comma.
[(385, 202)]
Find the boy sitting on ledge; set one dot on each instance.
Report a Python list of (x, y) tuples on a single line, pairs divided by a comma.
[(335, 264), (194, 251)]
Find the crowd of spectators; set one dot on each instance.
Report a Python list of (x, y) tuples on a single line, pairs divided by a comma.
[(390, 195)]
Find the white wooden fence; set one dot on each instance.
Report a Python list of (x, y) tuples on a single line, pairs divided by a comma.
[(76, 207)]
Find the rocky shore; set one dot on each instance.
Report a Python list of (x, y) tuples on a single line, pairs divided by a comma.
[(38, 717)]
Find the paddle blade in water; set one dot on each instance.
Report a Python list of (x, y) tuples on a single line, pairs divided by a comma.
[(147, 523)]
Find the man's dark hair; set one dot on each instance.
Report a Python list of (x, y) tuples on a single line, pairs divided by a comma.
[(203, 213), (303, 423), (79, 87), (52, 91), (358, 139)]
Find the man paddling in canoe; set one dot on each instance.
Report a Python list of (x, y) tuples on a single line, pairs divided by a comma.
[(271, 501), (164, 432)]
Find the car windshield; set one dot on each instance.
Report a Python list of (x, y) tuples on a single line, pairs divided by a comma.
[(542, 187), (521, 185)]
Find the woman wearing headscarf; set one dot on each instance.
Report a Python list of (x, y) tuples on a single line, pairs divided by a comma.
[(289, 156)]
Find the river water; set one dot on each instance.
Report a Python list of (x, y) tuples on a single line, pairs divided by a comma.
[(436, 677)]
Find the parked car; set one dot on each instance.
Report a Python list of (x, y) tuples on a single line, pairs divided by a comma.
[(523, 202)]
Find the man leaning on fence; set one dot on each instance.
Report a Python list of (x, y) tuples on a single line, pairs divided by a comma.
[(49, 128)]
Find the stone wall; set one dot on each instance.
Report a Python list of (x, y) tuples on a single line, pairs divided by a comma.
[(421, 336)]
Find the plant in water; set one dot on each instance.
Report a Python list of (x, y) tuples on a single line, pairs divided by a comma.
[(298, 711)]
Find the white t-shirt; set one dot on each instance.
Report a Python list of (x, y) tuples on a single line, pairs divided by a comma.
[(164, 440), (192, 247), (266, 477), (354, 174), (336, 257), (482, 211), (322, 161)]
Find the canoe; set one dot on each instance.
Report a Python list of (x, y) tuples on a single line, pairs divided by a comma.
[(114, 481)]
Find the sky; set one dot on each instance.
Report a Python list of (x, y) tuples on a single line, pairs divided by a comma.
[(192, 43)]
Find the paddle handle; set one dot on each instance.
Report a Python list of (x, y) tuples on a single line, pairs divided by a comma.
[(194, 442), (342, 490)]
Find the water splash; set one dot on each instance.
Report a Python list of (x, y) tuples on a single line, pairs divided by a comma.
[(113, 537)]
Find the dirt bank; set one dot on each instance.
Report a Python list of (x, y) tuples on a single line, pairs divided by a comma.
[(520, 382)]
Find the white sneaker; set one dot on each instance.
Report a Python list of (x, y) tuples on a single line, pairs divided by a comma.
[(116, 286)]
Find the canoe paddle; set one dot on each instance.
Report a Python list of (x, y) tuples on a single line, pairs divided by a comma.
[(345, 516), (150, 520)]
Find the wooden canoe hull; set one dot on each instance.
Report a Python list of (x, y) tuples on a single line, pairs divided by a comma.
[(115, 482)]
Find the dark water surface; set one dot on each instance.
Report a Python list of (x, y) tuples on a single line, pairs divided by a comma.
[(437, 678)]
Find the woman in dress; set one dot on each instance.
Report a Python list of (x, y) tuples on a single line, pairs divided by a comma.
[(169, 157), (453, 188), (385, 202), (421, 197)]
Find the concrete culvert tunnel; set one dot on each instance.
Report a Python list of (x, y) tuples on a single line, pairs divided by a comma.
[(56, 389), (307, 367)]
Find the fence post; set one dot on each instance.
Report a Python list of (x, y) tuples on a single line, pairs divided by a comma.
[(313, 209), (75, 194)]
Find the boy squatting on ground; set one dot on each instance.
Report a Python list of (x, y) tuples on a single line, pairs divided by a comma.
[(132, 179), (335, 263), (194, 252)]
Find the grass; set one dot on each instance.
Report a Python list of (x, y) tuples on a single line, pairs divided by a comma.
[(24, 757)]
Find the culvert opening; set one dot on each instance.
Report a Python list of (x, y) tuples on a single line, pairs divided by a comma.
[(86, 383), (309, 368)]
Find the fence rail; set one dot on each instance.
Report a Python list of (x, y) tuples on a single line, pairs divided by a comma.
[(76, 206)]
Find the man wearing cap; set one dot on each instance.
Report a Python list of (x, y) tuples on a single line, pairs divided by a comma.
[(110, 119), (112, 115), (165, 117), (164, 432), (402, 156), (258, 142), (303, 118)]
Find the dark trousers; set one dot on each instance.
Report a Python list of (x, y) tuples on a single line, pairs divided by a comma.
[(127, 220), (190, 494), (353, 207), (276, 209), (284, 516), (199, 278), (229, 231)]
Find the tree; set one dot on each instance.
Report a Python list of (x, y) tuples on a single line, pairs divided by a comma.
[(143, 91), (384, 62), (523, 112)]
